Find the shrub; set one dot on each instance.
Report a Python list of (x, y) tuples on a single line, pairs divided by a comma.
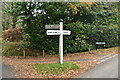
[(105, 33), (13, 34), (13, 48), (76, 42)]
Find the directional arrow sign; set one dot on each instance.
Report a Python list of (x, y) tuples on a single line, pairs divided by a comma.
[(66, 32), (53, 32), (57, 32), (56, 26)]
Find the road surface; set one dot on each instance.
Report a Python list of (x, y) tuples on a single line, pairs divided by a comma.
[(7, 71), (107, 69)]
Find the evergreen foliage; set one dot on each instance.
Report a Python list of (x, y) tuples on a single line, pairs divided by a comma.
[(88, 22)]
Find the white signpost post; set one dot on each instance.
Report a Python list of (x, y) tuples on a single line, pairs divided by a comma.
[(60, 32)]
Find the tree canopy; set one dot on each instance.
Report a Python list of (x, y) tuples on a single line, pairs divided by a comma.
[(89, 22)]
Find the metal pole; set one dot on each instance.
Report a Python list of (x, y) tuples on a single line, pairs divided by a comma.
[(61, 42)]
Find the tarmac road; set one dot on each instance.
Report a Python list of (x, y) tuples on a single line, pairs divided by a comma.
[(7, 71), (107, 69)]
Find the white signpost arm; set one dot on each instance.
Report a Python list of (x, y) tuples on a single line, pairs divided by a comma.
[(61, 42)]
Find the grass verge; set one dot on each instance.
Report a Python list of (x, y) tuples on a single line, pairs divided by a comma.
[(55, 68)]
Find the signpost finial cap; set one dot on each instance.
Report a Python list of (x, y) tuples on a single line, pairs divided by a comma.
[(61, 20)]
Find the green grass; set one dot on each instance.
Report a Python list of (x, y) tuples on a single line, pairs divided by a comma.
[(55, 68)]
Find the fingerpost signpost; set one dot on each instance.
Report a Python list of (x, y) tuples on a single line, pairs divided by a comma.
[(61, 33)]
